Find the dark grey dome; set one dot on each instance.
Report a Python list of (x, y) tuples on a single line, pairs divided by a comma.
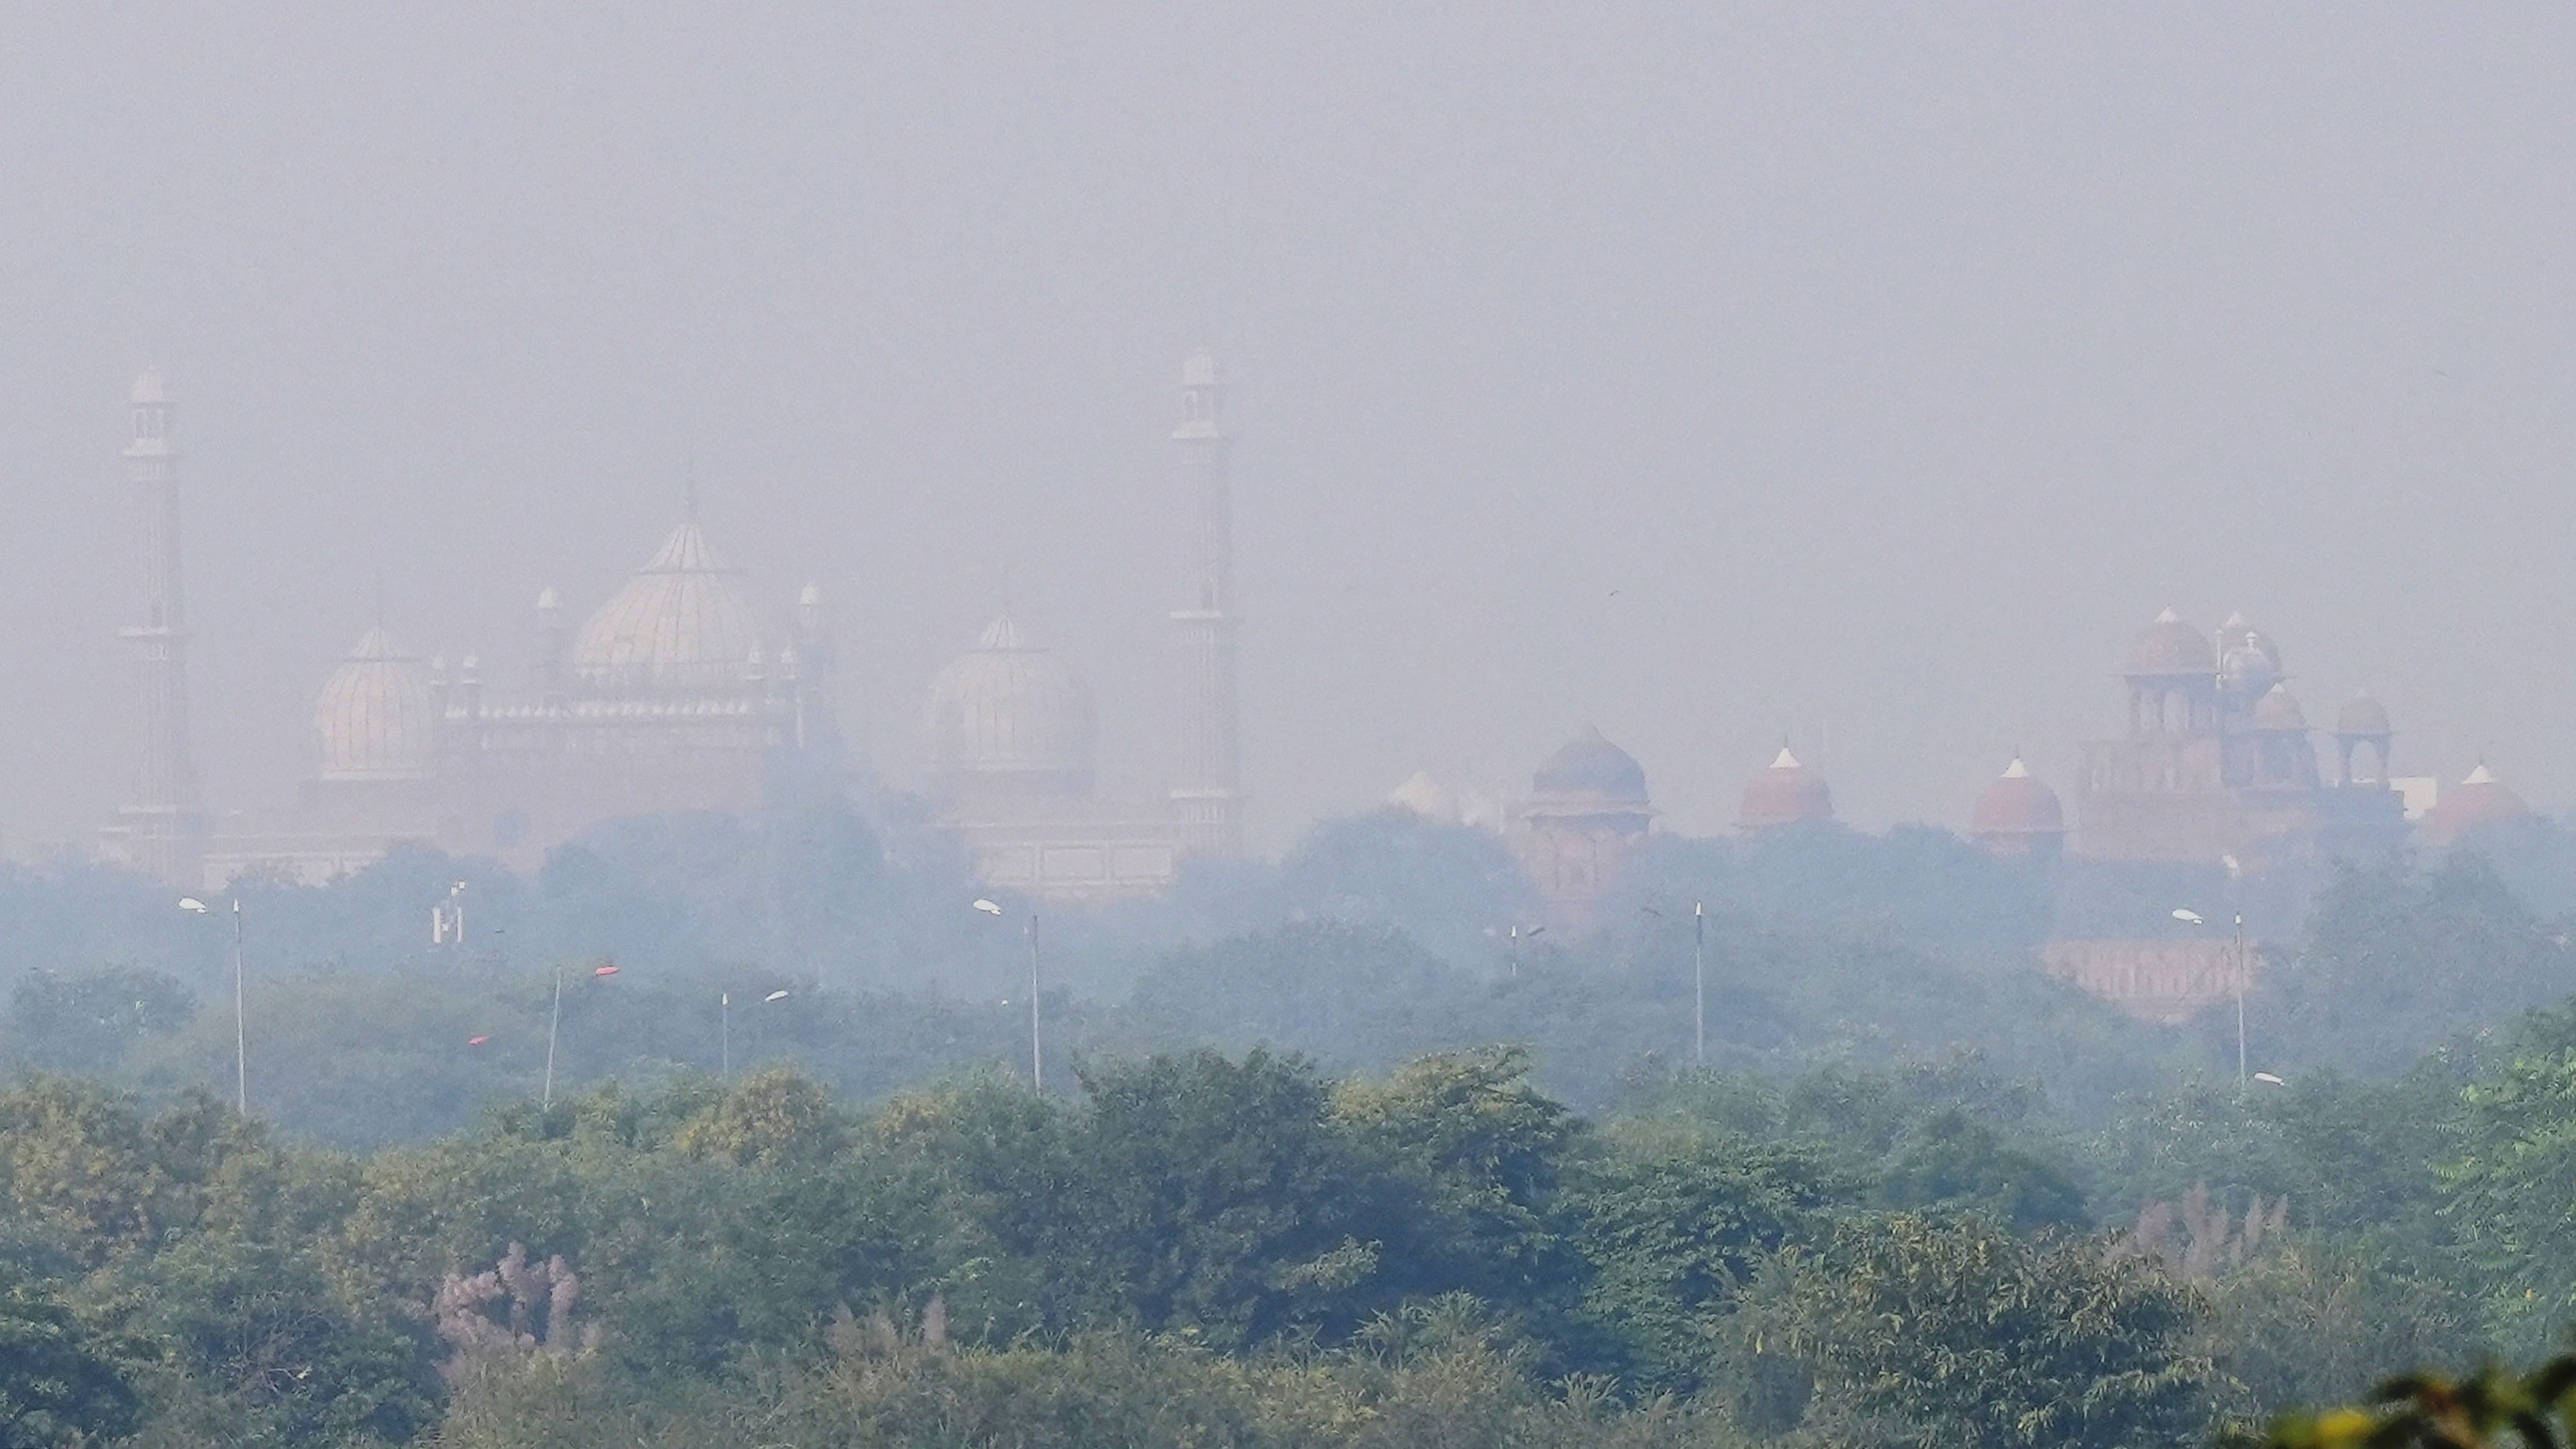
[(1590, 765)]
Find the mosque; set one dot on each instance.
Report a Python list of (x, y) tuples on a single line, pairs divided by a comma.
[(678, 693)]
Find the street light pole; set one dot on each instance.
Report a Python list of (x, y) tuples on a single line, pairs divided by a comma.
[(724, 1035), (554, 1028), (2243, 970), (1699, 983), (1037, 1053), (241, 1032), (241, 1029)]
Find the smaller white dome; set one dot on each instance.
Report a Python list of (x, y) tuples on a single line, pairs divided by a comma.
[(376, 718), (1428, 798), (1010, 718)]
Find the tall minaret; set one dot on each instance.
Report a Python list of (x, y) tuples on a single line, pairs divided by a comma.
[(162, 830), (1210, 794)]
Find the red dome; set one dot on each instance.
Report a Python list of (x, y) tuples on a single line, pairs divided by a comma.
[(2170, 647), (2478, 801), (2017, 804), (1788, 793)]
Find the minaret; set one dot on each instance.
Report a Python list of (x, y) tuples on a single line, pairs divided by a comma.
[(161, 827), (818, 727), (1209, 793)]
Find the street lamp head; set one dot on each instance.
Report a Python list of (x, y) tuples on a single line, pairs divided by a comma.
[(775, 996), (988, 908), (2188, 917), (192, 905), (2268, 1078)]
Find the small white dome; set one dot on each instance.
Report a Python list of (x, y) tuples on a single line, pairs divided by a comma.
[(376, 718), (1010, 718), (680, 623), (1428, 798)]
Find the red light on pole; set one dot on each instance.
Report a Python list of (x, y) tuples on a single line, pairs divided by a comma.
[(603, 971)]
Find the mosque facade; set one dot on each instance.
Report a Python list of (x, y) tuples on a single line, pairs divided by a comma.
[(670, 696), (677, 694)]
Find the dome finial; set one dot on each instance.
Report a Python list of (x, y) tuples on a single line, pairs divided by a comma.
[(689, 482)]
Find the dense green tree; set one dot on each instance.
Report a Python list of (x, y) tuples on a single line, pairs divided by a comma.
[(2510, 1177), (84, 1169), (1961, 1335), (2319, 1321), (1673, 1224), (1217, 1194), (1483, 1153), (256, 1321), (1954, 1163), (87, 1022), (2398, 959), (59, 1385)]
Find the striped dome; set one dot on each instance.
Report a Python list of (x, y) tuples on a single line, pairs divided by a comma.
[(1010, 717), (680, 623), (376, 718)]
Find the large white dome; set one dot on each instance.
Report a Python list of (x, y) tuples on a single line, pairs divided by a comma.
[(1010, 718), (376, 718), (680, 623)]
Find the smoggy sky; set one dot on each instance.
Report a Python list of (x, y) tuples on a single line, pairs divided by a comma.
[(1706, 372)]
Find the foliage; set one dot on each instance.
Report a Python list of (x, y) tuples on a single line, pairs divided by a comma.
[(2318, 1321), (2425, 1410), (2398, 960), (58, 1383), (1673, 1226), (1919, 1333), (87, 1022), (2509, 1176)]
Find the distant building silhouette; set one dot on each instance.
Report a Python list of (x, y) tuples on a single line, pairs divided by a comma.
[(161, 829), (1586, 815), (675, 694), (2217, 764)]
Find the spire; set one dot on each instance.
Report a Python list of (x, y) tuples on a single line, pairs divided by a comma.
[(689, 484)]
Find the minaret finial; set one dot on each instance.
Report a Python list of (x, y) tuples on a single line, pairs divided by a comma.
[(689, 483)]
